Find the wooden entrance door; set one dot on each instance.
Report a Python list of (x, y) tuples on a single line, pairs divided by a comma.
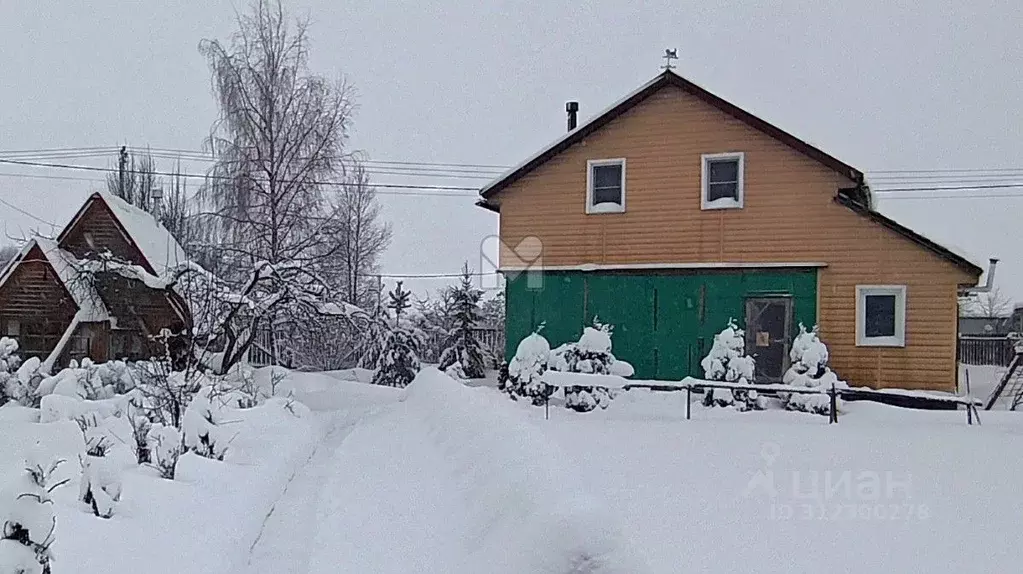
[(768, 325)]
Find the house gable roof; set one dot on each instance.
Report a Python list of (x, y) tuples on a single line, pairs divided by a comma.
[(157, 248), (89, 304), (667, 78), (854, 198)]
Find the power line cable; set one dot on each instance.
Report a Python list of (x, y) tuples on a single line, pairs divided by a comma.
[(53, 165)]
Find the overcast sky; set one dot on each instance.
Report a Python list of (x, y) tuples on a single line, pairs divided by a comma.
[(907, 85)]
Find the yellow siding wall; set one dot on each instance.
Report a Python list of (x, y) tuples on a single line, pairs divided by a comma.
[(789, 216)]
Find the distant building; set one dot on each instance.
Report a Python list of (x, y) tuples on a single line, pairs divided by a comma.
[(989, 326), (98, 290)]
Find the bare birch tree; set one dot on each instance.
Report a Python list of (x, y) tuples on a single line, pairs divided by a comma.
[(364, 237), (279, 143)]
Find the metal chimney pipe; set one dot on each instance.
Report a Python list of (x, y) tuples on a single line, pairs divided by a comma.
[(573, 114), (989, 281)]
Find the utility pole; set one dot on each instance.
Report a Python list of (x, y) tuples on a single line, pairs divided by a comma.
[(380, 292), (122, 164)]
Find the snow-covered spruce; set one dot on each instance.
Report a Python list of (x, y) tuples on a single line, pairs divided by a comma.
[(728, 362), (399, 361), (27, 519), (165, 446), (810, 369), (202, 425), (590, 355), (463, 347), (522, 377)]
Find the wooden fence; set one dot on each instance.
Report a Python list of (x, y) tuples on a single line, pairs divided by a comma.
[(986, 351)]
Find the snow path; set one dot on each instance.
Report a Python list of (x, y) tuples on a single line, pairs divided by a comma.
[(283, 543)]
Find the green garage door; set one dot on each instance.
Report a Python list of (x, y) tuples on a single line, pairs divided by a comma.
[(664, 323)]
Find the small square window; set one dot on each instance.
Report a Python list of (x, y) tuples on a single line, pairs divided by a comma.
[(881, 315), (722, 181), (605, 183)]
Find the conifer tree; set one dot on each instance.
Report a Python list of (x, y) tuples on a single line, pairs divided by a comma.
[(463, 347)]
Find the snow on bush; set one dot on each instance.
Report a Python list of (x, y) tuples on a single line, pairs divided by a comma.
[(810, 369), (203, 425), (100, 485), (9, 363), (27, 519), (590, 355), (523, 375), (524, 504), (455, 371), (89, 380), (165, 446), (23, 386), (728, 362), (399, 361)]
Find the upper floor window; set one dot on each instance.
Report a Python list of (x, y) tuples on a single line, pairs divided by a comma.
[(605, 186), (722, 179)]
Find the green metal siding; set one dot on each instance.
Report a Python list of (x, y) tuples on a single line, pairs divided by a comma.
[(664, 323)]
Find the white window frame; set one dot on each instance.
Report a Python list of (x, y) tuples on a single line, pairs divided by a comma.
[(590, 164), (899, 339), (705, 159)]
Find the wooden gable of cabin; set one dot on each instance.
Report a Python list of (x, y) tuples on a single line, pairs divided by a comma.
[(35, 306), (95, 229)]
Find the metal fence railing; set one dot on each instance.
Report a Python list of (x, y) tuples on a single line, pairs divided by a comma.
[(997, 351)]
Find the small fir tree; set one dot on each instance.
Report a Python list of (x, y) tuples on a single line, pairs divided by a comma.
[(463, 347), (399, 361), (398, 301), (810, 369), (590, 355), (522, 377), (728, 362)]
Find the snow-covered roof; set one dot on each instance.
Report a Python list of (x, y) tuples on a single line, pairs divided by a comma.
[(90, 305), (157, 245)]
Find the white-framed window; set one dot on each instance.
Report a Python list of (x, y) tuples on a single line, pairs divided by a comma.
[(605, 185), (881, 315), (722, 180)]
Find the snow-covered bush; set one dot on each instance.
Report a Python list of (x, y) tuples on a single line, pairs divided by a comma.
[(728, 362), (89, 380), (810, 369), (455, 371), (590, 355), (27, 520), (522, 377), (462, 345), (9, 363), (202, 425), (162, 393), (399, 362), (100, 486), (165, 446), (23, 386)]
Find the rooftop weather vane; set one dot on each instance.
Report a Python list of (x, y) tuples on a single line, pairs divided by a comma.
[(668, 56)]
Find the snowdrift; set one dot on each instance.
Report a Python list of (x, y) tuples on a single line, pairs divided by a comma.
[(527, 512)]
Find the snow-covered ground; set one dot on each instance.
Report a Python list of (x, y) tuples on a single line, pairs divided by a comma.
[(447, 478)]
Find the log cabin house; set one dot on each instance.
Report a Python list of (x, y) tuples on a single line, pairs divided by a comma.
[(70, 297), (674, 210)]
